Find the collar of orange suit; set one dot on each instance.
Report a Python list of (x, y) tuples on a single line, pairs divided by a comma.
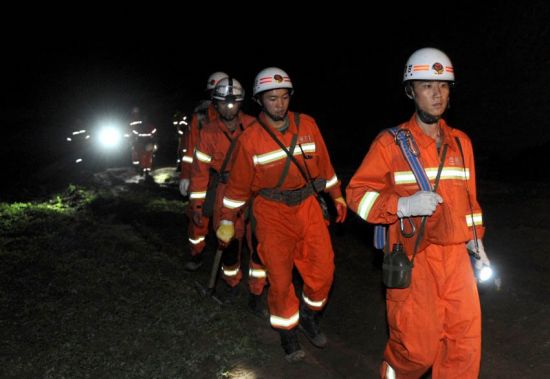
[(291, 128), (423, 140)]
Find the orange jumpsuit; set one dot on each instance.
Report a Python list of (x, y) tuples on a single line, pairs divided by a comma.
[(288, 235), (210, 153), (196, 234), (183, 139), (436, 322), (198, 119), (143, 144)]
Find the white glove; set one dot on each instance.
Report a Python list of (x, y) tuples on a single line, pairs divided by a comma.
[(483, 259), (184, 186), (422, 203)]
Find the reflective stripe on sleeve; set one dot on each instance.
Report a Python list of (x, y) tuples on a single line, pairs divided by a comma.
[(366, 204), (475, 219), (332, 182)]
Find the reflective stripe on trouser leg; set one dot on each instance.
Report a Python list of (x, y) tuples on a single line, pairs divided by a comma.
[(315, 258), (197, 235), (304, 242)]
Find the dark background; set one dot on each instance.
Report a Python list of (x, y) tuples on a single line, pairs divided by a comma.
[(346, 65)]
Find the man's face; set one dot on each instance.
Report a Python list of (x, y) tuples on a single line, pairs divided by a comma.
[(275, 103), (431, 97), (228, 110)]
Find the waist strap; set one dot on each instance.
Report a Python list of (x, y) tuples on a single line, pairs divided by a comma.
[(293, 197)]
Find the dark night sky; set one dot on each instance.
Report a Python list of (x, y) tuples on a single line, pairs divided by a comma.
[(348, 77)]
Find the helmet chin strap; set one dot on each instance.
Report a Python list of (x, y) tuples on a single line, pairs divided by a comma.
[(275, 118), (425, 117)]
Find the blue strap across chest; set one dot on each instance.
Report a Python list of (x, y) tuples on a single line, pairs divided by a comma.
[(404, 139)]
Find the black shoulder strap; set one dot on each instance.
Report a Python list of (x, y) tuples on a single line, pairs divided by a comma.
[(230, 150), (283, 147)]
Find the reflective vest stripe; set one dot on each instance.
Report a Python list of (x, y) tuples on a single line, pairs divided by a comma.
[(447, 173), (280, 154)]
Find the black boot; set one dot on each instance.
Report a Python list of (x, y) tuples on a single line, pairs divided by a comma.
[(257, 306), (194, 263), (291, 346), (309, 325), (231, 295)]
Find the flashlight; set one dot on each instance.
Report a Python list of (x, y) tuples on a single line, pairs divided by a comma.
[(485, 274)]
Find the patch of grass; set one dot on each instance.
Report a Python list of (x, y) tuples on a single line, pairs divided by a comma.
[(92, 285)]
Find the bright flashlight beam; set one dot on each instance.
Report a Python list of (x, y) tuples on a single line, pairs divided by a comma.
[(485, 274), (109, 136)]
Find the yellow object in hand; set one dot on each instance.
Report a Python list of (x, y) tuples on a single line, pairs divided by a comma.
[(225, 231)]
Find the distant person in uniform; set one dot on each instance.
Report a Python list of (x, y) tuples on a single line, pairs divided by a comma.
[(179, 121), (202, 113), (435, 322), (143, 141)]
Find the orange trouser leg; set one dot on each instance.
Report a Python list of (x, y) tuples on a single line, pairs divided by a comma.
[(315, 259), (197, 235), (289, 236), (257, 276), (231, 263), (437, 320)]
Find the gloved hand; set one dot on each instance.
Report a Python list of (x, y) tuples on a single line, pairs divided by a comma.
[(341, 209), (197, 215), (483, 259), (225, 232), (422, 203), (184, 186)]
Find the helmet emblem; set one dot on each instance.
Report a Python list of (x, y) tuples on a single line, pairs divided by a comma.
[(438, 68), (278, 78)]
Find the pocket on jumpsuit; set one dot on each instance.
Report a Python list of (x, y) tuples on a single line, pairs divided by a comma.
[(440, 227), (397, 312)]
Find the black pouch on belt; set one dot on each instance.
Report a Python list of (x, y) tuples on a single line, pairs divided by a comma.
[(396, 268)]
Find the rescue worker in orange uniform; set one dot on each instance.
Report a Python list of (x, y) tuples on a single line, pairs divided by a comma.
[(204, 112), (436, 321), (144, 142), (289, 222), (210, 172), (179, 120)]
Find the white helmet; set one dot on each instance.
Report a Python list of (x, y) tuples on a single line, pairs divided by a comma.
[(228, 89), (214, 79), (429, 64), (271, 78)]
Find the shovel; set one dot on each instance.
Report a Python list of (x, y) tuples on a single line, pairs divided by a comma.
[(211, 287)]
